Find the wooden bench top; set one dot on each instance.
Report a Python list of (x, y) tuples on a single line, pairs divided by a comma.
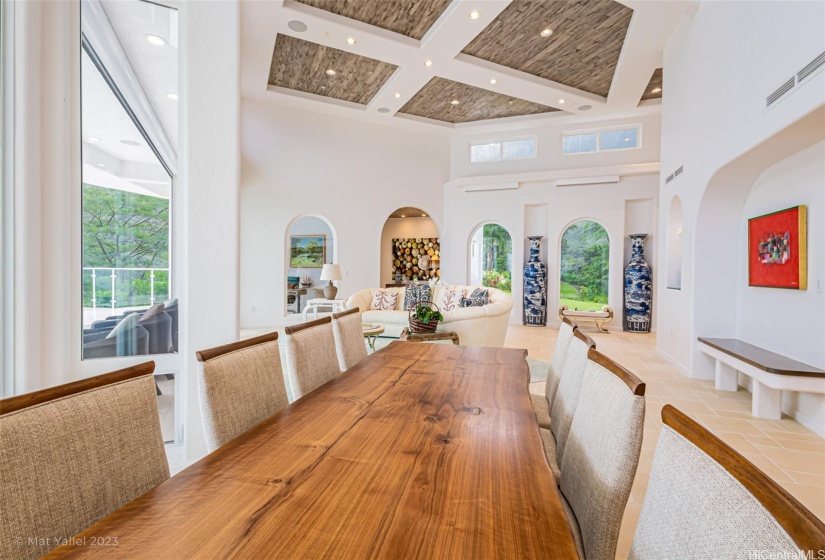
[(765, 360)]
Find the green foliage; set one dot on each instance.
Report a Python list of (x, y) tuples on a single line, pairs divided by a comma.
[(425, 314), (498, 248), (124, 230), (585, 262), (500, 280)]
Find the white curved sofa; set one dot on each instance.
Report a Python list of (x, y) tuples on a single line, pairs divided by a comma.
[(475, 326)]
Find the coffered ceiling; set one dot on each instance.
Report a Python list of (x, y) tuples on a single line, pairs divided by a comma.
[(654, 86), (402, 62)]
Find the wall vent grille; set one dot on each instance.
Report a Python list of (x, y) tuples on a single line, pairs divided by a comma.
[(811, 67), (782, 90), (678, 171), (669, 178)]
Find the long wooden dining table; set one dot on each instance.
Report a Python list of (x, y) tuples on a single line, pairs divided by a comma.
[(419, 451)]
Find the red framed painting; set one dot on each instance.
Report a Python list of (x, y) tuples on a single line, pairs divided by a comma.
[(778, 249)]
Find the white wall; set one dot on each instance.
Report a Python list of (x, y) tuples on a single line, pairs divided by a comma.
[(791, 322), (402, 228), (354, 174)]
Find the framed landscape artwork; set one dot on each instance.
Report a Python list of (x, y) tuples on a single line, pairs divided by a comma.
[(778, 249), (307, 251)]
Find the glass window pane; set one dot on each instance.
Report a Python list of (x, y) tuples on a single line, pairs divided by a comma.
[(579, 143), (517, 149), (619, 139), (492, 266), (585, 266), (485, 152)]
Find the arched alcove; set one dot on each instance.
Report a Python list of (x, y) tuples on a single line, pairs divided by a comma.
[(674, 245), (310, 243), (491, 257), (410, 247), (584, 266)]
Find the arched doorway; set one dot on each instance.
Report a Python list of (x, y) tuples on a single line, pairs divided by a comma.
[(584, 266), (491, 257), (410, 247), (310, 244)]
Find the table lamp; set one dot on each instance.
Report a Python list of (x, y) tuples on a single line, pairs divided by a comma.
[(331, 272)]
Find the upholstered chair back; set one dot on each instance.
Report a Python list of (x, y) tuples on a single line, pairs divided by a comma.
[(704, 500), (349, 338), (570, 382), (311, 358), (557, 359), (239, 385), (602, 453), (72, 454)]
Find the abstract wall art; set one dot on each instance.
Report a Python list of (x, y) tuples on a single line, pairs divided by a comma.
[(416, 258), (778, 249)]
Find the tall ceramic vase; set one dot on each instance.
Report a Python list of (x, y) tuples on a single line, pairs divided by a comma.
[(535, 286), (637, 287)]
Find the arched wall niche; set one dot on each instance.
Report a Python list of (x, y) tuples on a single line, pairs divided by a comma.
[(407, 222), (584, 265), (490, 257), (306, 226), (674, 244)]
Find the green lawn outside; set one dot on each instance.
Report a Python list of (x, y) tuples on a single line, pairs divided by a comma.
[(581, 305)]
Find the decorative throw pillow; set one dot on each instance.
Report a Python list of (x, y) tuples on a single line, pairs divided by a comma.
[(383, 301), (152, 312), (126, 325), (414, 294), (452, 299), (478, 298)]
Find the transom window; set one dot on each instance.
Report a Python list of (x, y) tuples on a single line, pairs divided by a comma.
[(601, 141), (523, 148)]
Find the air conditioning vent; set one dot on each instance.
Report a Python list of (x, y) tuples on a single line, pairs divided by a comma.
[(669, 178), (678, 171), (782, 90), (811, 67)]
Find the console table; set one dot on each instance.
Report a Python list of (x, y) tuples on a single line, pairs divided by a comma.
[(332, 305)]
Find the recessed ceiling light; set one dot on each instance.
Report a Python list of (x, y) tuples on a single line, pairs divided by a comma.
[(156, 40), (423, 215), (323, 88), (546, 32), (474, 14), (101, 165), (403, 216), (129, 142), (330, 72), (92, 139), (350, 41), (172, 95), (454, 102), (561, 101), (428, 63), (585, 107), (656, 90), (493, 81), (397, 95), (297, 25), (510, 102), (383, 110)]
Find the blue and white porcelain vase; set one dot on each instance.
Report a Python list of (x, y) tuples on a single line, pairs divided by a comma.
[(535, 286), (637, 287)]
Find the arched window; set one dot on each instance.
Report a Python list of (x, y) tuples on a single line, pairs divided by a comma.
[(585, 266), (491, 257), (674, 245)]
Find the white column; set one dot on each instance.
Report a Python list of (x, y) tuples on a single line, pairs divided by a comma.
[(767, 402), (726, 377)]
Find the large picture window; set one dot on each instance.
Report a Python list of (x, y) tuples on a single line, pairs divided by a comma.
[(491, 257), (585, 266)]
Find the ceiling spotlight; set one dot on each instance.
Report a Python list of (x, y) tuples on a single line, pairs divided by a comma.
[(423, 215), (561, 101), (330, 72), (397, 95), (546, 32), (101, 166), (297, 25), (350, 41), (428, 63), (656, 90), (474, 14), (510, 102), (156, 40), (172, 95), (129, 142), (92, 139), (403, 216), (323, 88), (493, 81), (454, 102)]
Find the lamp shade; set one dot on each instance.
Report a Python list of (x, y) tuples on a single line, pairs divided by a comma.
[(331, 272)]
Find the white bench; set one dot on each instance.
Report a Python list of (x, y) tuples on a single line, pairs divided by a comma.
[(771, 373), (601, 318)]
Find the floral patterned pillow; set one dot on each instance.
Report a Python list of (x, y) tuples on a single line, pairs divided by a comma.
[(452, 299), (478, 298), (414, 294), (384, 301)]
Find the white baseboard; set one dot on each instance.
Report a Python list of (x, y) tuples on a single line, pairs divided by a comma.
[(674, 362)]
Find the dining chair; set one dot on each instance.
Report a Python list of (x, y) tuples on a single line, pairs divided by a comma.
[(553, 368), (564, 403), (239, 384), (72, 454), (601, 455), (311, 358), (349, 338), (705, 500)]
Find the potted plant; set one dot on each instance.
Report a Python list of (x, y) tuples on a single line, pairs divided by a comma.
[(424, 317)]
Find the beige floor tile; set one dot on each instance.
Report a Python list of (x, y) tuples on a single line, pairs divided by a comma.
[(811, 498), (793, 460)]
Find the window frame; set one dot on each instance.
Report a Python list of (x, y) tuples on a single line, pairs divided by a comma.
[(598, 132), (501, 142)]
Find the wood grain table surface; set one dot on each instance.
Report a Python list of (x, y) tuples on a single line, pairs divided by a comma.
[(419, 451)]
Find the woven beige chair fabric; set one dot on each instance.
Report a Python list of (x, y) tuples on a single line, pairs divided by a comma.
[(311, 358), (70, 461), (240, 388), (567, 396), (709, 502), (602, 453), (553, 369), (349, 338)]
